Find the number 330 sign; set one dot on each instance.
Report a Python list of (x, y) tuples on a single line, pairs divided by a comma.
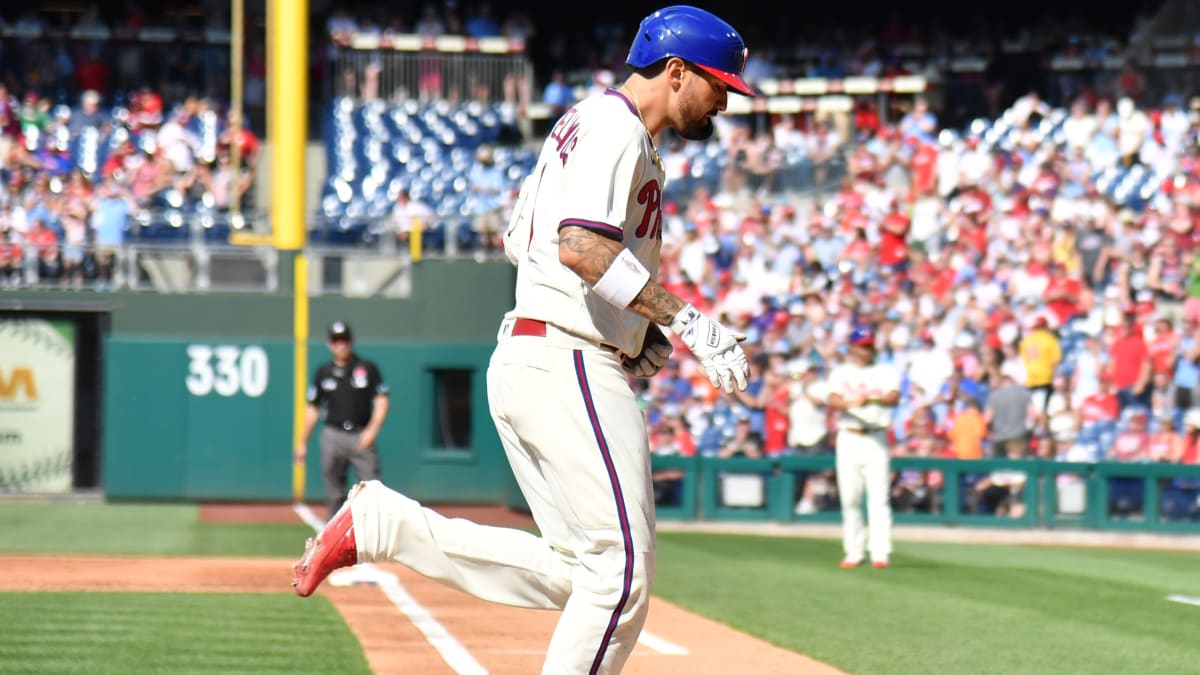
[(227, 370)]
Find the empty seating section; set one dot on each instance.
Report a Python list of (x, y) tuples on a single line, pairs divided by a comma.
[(375, 151)]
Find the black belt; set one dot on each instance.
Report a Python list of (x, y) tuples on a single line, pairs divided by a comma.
[(346, 426)]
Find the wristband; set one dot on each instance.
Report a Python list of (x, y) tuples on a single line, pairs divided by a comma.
[(683, 318), (623, 280)]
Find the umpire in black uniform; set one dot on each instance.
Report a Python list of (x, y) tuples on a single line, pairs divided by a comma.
[(355, 399)]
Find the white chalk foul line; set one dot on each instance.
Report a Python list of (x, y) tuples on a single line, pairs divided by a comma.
[(306, 514), (452, 651), (1185, 599), (660, 645)]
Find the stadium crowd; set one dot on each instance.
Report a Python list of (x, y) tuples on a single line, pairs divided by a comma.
[(1033, 311), (75, 180)]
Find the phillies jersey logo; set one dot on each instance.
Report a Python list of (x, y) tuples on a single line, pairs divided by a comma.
[(650, 196), (868, 389)]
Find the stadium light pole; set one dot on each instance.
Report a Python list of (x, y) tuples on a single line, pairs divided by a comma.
[(287, 87)]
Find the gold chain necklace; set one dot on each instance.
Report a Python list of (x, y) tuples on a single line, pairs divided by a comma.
[(657, 159)]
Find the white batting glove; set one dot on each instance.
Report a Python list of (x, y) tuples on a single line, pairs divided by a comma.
[(715, 347)]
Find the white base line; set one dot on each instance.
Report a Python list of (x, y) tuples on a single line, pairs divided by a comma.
[(306, 514), (452, 651), (660, 645), (1185, 599)]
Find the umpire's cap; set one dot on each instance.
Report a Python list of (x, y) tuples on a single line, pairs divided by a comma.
[(340, 330), (696, 36)]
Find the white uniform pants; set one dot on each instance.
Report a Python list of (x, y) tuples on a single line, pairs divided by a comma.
[(863, 465), (576, 440)]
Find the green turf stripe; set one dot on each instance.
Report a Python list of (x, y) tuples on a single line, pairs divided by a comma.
[(174, 633)]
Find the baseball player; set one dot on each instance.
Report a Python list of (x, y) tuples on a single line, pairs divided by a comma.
[(585, 236), (865, 394)]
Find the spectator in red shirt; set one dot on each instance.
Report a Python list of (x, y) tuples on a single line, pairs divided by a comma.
[(1187, 450), (1062, 294), (1132, 444), (1102, 405), (673, 436), (924, 166), (1164, 440), (1130, 364), (776, 415), (893, 239), (1163, 347), (42, 237)]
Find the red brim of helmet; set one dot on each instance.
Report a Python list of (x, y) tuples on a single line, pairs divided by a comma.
[(735, 81)]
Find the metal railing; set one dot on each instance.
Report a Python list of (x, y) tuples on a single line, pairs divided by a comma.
[(429, 74), (199, 266), (165, 268)]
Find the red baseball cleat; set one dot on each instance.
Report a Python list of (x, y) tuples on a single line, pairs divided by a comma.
[(848, 563), (335, 547), (881, 564)]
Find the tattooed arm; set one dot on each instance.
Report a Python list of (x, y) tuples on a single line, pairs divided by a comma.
[(589, 255)]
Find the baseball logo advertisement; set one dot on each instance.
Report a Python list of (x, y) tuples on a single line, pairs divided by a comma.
[(37, 405)]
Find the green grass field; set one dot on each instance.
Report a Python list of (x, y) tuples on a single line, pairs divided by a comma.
[(941, 608), (124, 633)]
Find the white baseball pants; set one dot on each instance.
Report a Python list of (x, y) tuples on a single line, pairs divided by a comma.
[(863, 465), (576, 440)]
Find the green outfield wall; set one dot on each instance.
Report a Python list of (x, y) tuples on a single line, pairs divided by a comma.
[(195, 391)]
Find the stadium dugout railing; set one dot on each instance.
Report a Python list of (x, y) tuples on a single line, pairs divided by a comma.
[(1163, 498)]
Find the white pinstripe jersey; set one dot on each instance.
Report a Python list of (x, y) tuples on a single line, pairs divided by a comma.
[(596, 170), (851, 380)]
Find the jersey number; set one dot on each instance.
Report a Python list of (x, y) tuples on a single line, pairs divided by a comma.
[(237, 369), (650, 196)]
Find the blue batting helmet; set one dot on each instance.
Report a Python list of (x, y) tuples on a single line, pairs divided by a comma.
[(696, 36), (863, 336)]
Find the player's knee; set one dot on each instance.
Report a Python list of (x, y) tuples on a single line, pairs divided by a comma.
[(365, 489), (624, 585), (637, 604)]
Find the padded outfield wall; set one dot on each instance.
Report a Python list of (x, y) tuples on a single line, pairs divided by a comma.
[(190, 396)]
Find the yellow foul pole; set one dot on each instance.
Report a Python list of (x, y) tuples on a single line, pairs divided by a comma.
[(237, 31), (287, 35)]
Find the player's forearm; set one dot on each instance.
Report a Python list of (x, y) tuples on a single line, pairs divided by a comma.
[(378, 414), (590, 256), (892, 398), (657, 303)]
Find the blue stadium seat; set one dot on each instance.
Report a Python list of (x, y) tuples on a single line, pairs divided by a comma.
[(1126, 496)]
